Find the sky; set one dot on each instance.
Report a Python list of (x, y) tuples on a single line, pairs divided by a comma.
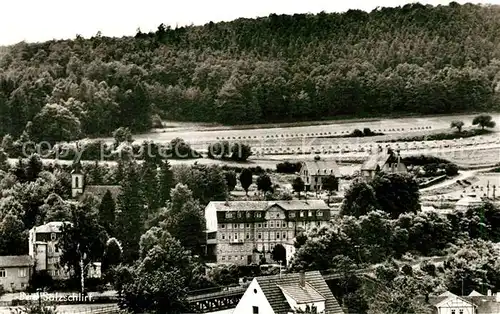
[(41, 20)]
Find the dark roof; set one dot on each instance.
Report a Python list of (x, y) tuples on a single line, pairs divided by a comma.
[(265, 205), (376, 160), (276, 298), (99, 191), (77, 168), (50, 227), (322, 167), (302, 295), (15, 261)]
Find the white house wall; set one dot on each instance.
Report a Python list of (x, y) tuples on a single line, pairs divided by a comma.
[(251, 299)]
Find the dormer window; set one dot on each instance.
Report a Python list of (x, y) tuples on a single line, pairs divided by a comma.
[(239, 214), (229, 215), (258, 215), (319, 213), (292, 215), (249, 215), (310, 214), (52, 236), (301, 214)]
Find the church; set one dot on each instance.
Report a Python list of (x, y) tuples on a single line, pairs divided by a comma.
[(79, 190)]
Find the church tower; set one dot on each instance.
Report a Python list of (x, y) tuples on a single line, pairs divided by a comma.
[(77, 180)]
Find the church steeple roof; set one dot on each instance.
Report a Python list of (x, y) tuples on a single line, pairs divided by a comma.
[(77, 168)]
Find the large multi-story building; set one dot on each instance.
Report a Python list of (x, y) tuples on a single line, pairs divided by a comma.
[(243, 232), (43, 249)]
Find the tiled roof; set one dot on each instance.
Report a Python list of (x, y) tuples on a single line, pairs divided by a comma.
[(100, 190), (53, 226), (315, 167), (302, 295), (15, 261), (270, 286), (264, 205), (301, 204)]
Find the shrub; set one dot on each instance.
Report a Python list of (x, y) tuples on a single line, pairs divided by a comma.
[(288, 167), (451, 169)]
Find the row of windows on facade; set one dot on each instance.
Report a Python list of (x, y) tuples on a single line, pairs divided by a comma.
[(315, 179), (21, 272), (461, 311), (271, 224), (325, 171), (259, 236), (319, 213), (42, 236)]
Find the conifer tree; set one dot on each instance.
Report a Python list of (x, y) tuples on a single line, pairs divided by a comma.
[(166, 182), (131, 214), (107, 210)]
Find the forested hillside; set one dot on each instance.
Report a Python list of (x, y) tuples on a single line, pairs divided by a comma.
[(412, 59)]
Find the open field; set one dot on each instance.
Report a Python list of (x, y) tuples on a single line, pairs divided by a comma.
[(195, 133)]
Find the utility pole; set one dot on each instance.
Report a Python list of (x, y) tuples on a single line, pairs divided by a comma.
[(488, 189)]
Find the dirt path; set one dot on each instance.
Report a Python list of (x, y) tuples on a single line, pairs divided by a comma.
[(462, 176)]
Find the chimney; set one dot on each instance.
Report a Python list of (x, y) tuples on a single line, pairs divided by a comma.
[(489, 292), (399, 159), (302, 279)]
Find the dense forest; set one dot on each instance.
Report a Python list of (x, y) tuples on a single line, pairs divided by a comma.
[(410, 59)]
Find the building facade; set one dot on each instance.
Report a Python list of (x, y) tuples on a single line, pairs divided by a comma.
[(314, 172), (288, 293), (43, 249), (15, 272), (244, 232)]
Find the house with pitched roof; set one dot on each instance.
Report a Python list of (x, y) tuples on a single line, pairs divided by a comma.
[(288, 294), (244, 232), (314, 172), (449, 303), (383, 160), (15, 272), (43, 249)]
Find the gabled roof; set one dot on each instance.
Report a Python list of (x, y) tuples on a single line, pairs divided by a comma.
[(374, 161), (264, 205), (100, 190), (77, 168), (50, 227), (322, 167), (301, 204), (15, 261), (270, 286), (474, 293), (302, 295)]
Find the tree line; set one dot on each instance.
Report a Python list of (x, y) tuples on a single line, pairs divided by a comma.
[(410, 59)]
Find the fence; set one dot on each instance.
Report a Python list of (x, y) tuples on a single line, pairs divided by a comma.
[(105, 309)]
